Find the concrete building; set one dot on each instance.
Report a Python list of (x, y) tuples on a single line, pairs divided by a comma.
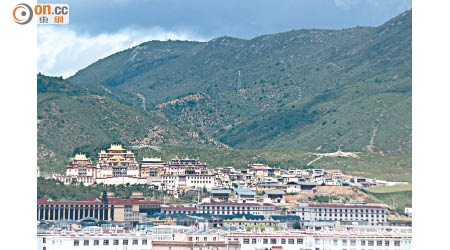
[(220, 194), (274, 196), (321, 240), (265, 209), (373, 215), (244, 195), (134, 209)]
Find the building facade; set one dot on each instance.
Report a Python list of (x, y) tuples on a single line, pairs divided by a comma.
[(265, 209), (116, 210), (373, 215)]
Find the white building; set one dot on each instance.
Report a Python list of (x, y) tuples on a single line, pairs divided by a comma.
[(102, 240), (373, 215), (265, 209), (321, 240)]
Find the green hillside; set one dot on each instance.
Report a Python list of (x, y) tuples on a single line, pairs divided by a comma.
[(355, 87), (71, 118)]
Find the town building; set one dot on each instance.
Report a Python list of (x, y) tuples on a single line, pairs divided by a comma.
[(321, 240), (373, 215), (89, 239), (265, 209), (301, 187), (274, 196), (262, 170), (220, 194), (245, 195), (134, 209), (175, 183), (178, 210), (197, 239)]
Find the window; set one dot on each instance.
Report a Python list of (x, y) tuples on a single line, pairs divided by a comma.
[(265, 241), (290, 241), (44, 240), (363, 242), (344, 242), (190, 238), (317, 241), (386, 243), (335, 242), (353, 243), (300, 241), (283, 241), (116, 242), (76, 242), (205, 238), (246, 241), (214, 238), (397, 243), (96, 242), (273, 241), (370, 243), (86, 243), (197, 239), (135, 242), (125, 242), (379, 243), (105, 242), (253, 241), (144, 242)]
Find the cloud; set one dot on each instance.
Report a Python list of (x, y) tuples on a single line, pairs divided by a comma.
[(63, 51)]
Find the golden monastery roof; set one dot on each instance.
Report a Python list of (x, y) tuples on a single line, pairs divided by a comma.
[(151, 159), (80, 157), (116, 147)]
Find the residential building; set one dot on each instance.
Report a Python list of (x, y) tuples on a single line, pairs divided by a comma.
[(373, 215), (274, 196), (244, 195), (265, 209)]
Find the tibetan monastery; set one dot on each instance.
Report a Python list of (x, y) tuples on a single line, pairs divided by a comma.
[(115, 162)]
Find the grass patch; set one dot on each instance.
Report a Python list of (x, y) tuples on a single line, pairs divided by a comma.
[(389, 189)]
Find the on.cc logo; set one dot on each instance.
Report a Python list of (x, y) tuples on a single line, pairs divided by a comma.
[(22, 13)]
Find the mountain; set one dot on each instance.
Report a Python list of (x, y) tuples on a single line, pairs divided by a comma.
[(73, 119), (304, 89)]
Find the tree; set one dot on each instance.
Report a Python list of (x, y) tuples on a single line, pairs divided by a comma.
[(104, 197), (297, 225)]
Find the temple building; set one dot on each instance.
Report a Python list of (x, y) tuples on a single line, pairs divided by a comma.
[(79, 170), (186, 167), (80, 165), (115, 162), (152, 167)]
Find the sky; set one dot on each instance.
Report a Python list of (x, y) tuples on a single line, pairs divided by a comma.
[(99, 28)]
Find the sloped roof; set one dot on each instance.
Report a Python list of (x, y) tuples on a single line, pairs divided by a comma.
[(279, 192), (220, 191)]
